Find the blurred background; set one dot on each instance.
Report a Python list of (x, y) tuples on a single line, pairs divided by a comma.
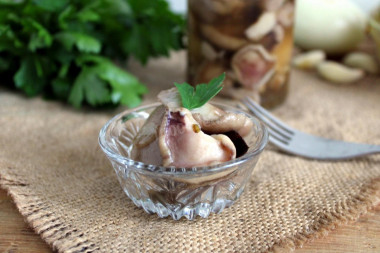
[(180, 6), (77, 51)]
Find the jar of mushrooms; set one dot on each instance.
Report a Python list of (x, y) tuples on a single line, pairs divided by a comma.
[(250, 40)]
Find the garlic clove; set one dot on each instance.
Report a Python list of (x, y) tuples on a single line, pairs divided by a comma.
[(338, 73), (309, 60), (362, 61), (263, 26)]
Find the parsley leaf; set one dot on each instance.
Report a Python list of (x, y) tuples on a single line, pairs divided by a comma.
[(83, 42), (192, 99), (27, 79), (126, 88), (51, 5), (67, 49), (90, 87)]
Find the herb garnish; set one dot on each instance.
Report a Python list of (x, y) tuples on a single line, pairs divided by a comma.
[(192, 99), (69, 49)]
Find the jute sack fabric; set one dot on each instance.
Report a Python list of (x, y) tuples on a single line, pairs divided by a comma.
[(66, 189)]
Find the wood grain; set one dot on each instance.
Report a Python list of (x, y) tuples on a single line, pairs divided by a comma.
[(361, 236), (15, 234)]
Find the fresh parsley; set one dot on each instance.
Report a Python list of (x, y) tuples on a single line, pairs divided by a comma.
[(193, 98), (75, 50)]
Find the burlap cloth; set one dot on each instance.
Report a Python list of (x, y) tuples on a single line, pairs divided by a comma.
[(66, 189)]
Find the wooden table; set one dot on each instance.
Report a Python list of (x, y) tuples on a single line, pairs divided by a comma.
[(361, 236)]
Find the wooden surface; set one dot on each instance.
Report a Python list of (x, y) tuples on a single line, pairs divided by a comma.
[(361, 236)]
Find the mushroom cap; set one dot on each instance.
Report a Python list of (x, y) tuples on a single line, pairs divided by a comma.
[(175, 136), (253, 66), (182, 146)]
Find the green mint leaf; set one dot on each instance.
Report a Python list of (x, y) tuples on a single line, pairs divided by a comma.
[(192, 99)]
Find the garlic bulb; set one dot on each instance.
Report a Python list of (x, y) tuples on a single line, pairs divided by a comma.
[(334, 26)]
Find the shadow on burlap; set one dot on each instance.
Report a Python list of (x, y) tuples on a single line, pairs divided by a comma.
[(63, 185)]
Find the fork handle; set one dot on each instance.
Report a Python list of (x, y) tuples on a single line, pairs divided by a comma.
[(352, 151), (370, 149)]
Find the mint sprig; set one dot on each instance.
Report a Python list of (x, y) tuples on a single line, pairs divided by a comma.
[(193, 98)]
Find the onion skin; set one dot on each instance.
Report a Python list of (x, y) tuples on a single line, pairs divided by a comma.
[(334, 26)]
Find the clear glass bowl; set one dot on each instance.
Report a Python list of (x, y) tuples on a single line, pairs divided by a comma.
[(177, 192)]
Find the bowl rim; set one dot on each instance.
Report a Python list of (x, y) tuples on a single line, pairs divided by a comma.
[(148, 168)]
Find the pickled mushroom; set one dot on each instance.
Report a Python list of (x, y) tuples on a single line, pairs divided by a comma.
[(221, 7), (253, 66), (175, 136), (209, 52), (220, 39), (208, 70), (273, 5), (263, 26), (209, 10), (273, 38), (181, 146), (286, 15), (214, 120)]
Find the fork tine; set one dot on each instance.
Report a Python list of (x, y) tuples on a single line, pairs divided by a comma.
[(278, 143), (277, 136), (269, 123), (267, 114)]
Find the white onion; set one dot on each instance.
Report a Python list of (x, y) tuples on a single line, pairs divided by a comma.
[(334, 26)]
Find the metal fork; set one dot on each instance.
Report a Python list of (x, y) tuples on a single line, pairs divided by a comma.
[(298, 143)]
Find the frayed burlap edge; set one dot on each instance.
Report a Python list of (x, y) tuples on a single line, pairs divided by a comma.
[(59, 236)]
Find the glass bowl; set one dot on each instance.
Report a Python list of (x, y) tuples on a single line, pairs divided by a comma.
[(177, 192)]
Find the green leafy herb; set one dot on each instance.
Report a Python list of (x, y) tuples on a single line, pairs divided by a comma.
[(194, 98), (75, 50)]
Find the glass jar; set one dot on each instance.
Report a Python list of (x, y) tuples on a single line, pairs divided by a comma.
[(250, 40)]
